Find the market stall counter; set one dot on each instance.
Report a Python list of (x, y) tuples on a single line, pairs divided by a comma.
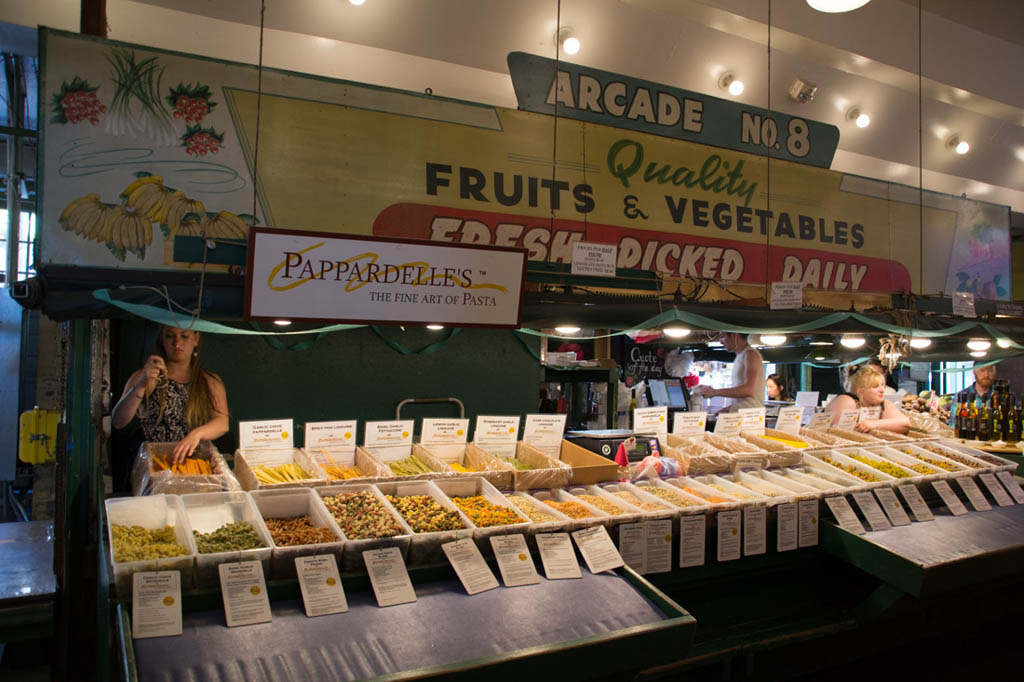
[(28, 586), (599, 625)]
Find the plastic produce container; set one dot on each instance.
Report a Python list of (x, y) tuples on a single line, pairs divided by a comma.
[(355, 543), (206, 512), (425, 547), (290, 503), (246, 461), (151, 512), (469, 487)]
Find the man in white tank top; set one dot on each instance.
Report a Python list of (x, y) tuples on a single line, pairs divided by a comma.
[(747, 388)]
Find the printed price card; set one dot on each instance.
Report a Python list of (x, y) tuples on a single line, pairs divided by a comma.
[(544, 429), (444, 431), (997, 491), (244, 593), (870, 412), (974, 494), (892, 507), (689, 423), (659, 545), (787, 296), (650, 420), (597, 549), (469, 565), (844, 514), (729, 544), (787, 527), (820, 421), (1006, 478), (917, 505), (335, 436), (692, 540), (872, 512), (388, 576), (789, 418), (728, 424), (848, 419), (156, 604), (953, 503), (754, 523), (320, 584), (752, 419), (593, 259), (514, 561), (808, 522), (388, 434), (557, 556), (633, 546), (491, 430), (275, 434), (963, 304)]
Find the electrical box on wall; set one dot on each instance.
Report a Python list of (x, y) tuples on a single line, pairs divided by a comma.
[(37, 436)]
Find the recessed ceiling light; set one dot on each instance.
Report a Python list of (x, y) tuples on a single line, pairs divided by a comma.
[(356, 2), (836, 6), (435, 327), (821, 343), (920, 342), (852, 340), (819, 357), (282, 323), (978, 353), (773, 339), (567, 330), (979, 344), (676, 332), (1003, 343)]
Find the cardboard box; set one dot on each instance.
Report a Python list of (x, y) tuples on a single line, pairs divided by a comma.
[(587, 467)]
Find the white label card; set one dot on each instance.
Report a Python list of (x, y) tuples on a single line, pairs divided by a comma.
[(848, 419), (754, 530), (650, 420), (320, 584), (820, 421), (332, 435), (974, 494), (1011, 485), (388, 434), (917, 505), (593, 259), (544, 429), (787, 527), (892, 507), (845, 515), (273, 434), (952, 502), (807, 398), (787, 296), (496, 429), (597, 549), (441, 431), (633, 546), (557, 556), (729, 544), (870, 413), (788, 420), (872, 512), (752, 419), (469, 565), (689, 423), (692, 531), (963, 304), (156, 604), (808, 522), (659, 545), (244, 593), (514, 561), (995, 489), (728, 423), (388, 576)]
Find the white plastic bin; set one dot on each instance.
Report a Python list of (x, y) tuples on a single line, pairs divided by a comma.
[(469, 487), (206, 512), (151, 512), (356, 544), (426, 547), (290, 503)]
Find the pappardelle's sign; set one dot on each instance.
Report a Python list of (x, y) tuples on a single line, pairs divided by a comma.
[(317, 276)]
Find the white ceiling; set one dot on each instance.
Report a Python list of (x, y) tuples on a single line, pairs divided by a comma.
[(955, 68)]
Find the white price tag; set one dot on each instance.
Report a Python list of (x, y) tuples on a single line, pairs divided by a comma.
[(1006, 478), (787, 527), (388, 576), (974, 494), (870, 413), (633, 546), (728, 424), (689, 423), (444, 431), (650, 420), (820, 421), (917, 505), (597, 549), (872, 512), (787, 296), (963, 304), (514, 561), (754, 530), (335, 436), (156, 604), (388, 434), (892, 507), (557, 556), (808, 522), (593, 259), (995, 489), (275, 434), (789, 418), (490, 430), (729, 544), (844, 514), (692, 531), (848, 419), (752, 419), (544, 429), (244, 593), (659, 545), (807, 398), (469, 565), (953, 503), (320, 584)]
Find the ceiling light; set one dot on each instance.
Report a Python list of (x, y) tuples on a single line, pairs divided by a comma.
[(435, 327), (979, 344), (1003, 343), (819, 357), (729, 82), (282, 323), (570, 43), (802, 91), (567, 330), (958, 145), (920, 343), (861, 119), (715, 344), (836, 6), (821, 343), (978, 353), (356, 2), (676, 332), (852, 340), (773, 339)]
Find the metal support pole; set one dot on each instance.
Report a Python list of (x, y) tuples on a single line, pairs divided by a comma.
[(15, 73)]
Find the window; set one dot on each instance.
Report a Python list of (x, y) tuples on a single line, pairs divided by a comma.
[(26, 242), (956, 381)]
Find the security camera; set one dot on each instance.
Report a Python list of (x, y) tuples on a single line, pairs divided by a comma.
[(802, 91)]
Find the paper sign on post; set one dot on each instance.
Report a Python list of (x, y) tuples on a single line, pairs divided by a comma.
[(335, 436), (244, 593), (388, 576), (1011, 485), (274, 434), (953, 503), (156, 604), (593, 259), (514, 561), (469, 565), (789, 419), (650, 420), (917, 505), (597, 549), (844, 514), (444, 431), (787, 296), (787, 527), (727, 424), (557, 556), (320, 584), (997, 491), (808, 522), (496, 430), (632, 546), (892, 507), (659, 545), (729, 545), (752, 419), (692, 531), (963, 304), (872, 512), (388, 433), (974, 494), (820, 421), (848, 419), (754, 530), (689, 423), (544, 429)]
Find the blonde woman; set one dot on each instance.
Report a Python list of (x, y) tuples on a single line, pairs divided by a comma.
[(867, 389), (176, 400)]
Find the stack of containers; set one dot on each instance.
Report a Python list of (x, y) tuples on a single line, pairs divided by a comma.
[(367, 520), (209, 512), (154, 512), (290, 504)]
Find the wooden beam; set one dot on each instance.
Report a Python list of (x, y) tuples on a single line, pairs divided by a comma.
[(94, 18)]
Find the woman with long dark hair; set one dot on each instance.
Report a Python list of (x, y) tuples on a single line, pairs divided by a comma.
[(776, 387)]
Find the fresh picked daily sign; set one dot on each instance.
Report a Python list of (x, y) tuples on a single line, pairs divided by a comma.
[(318, 276)]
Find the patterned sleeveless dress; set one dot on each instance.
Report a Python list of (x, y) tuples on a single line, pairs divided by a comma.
[(169, 426)]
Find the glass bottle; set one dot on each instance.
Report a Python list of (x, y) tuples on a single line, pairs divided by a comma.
[(963, 421), (984, 427), (971, 428), (1014, 430), (997, 417)]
